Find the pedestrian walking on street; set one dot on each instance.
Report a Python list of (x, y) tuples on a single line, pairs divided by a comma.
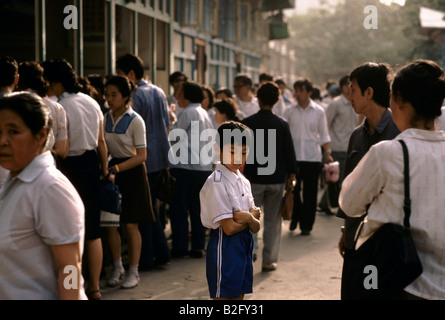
[(228, 209), (307, 122), (267, 189), (376, 185), (342, 120), (244, 97)]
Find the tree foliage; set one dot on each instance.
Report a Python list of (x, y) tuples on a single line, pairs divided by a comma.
[(330, 43)]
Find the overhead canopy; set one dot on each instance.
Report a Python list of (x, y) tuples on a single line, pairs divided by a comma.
[(432, 23), (272, 5)]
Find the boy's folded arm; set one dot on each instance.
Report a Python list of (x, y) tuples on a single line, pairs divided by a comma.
[(248, 218), (230, 226)]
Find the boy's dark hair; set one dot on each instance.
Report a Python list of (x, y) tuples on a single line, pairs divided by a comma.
[(268, 93), (31, 77), (60, 70), (376, 76), (193, 92), (237, 131), (8, 71), (129, 62), (422, 84), (304, 83)]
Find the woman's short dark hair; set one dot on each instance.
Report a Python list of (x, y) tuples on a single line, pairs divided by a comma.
[(8, 71), (123, 84), (31, 77), (210, 94), (268, 93), (376, 76), (228, 107), (422, 84), (60, 70), (30, 107)]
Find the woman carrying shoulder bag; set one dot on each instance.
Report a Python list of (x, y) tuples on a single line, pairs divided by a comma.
[(418, 91)]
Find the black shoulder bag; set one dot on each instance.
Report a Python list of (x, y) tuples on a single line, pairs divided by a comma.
[(387, 262)]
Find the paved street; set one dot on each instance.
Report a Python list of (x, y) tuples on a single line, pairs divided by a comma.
[(309, 268)]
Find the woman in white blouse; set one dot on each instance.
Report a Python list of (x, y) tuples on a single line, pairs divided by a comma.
[(417, 94), (41, 214)]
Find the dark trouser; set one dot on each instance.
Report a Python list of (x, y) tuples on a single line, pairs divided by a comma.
[(305, 206), (154, 243), (186, 201)]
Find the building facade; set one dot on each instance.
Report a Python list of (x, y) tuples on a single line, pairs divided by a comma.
[(209, 40)]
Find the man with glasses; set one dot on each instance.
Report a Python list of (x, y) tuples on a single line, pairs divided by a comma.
[(244, 97)]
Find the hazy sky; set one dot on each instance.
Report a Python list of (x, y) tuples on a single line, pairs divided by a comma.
[(302, 6)]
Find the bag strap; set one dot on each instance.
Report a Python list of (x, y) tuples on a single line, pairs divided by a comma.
[(407, 200)]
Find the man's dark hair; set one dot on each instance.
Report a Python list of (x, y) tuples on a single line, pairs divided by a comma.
[(129, 62), (265, 77), (244, 78), (344, 81), (376, 76), (175, 75), (268, 94), (304, 83), (193, 92), (60, 70), (8, 71)]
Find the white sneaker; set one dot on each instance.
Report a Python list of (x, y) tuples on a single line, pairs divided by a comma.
[(131, 281), (116, 277)]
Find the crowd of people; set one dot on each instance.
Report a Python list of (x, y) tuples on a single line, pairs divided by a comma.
[(60, 134)]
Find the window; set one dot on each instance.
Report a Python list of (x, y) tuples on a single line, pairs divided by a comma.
[(244, 23), (228, 21), (189, 13), (209, 23)]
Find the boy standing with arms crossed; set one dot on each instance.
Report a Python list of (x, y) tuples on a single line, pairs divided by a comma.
[(227, 207)]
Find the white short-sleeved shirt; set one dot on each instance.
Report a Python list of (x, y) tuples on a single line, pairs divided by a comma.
[(223, 193), (309, 130), (247, 108), (126, 135), (83, 116), (38, 208)]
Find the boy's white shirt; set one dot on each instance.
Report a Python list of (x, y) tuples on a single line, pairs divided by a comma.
[(223, 193)]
